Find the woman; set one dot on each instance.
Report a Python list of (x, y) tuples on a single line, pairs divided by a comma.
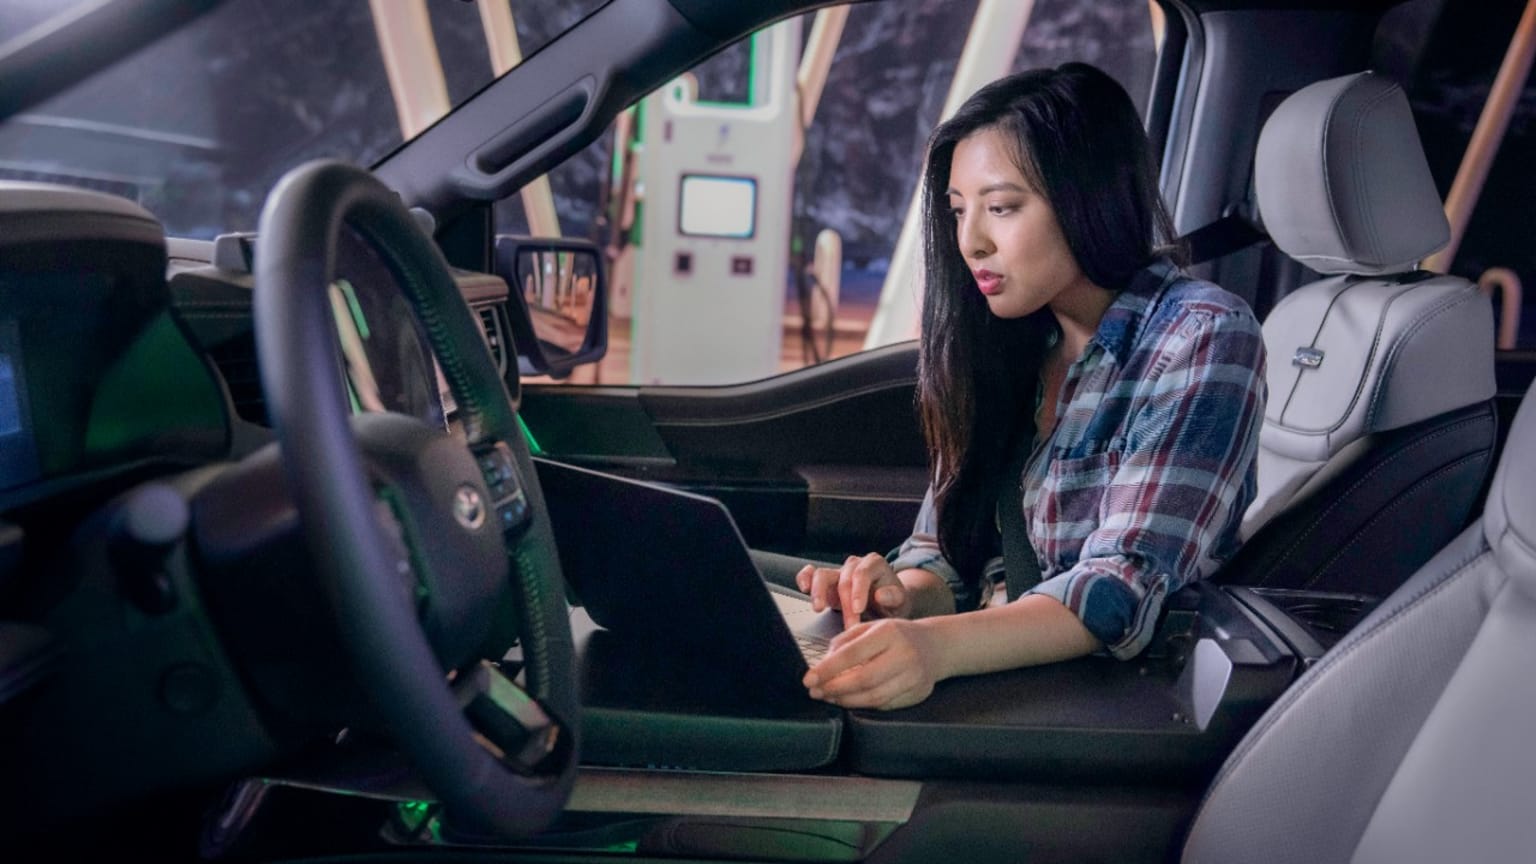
[(1069, 371)]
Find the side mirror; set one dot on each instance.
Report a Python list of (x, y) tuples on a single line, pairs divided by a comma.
[(559, 308)]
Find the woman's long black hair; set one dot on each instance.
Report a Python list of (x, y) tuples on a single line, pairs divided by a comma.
[(1078, 141)]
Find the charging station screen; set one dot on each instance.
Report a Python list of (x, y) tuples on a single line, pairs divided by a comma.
[(718, 206)]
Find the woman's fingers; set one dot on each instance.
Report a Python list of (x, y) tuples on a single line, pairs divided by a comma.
[(803, 578), (868, 571), (846, 651), (863, 585), (896, 691), (857, 580), (824, 589), (881, 593), (875, 665), (891, 600)]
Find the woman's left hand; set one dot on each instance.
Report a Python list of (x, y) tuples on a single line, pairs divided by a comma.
[(891, 663)]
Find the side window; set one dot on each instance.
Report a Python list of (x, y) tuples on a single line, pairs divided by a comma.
[(279, 82), (752, 210), (1448, 64)]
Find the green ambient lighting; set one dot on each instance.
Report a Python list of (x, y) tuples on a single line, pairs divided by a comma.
[(357, 406), (414, 814), (158, 393), (533, 445), (419, 819), (350, 293)]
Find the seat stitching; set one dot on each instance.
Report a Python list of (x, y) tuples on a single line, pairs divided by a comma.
[(1392, 505), (1370, 357), (1390, 362), (1342, 650), (1333, 209), (1360, 187), (1322, 322)]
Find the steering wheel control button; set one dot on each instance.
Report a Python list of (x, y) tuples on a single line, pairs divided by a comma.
[(496, 464), (512, 725), (514, 513), (506, 488), (469, 507)]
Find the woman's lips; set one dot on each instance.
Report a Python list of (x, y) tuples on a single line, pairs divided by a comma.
[(989, 282)]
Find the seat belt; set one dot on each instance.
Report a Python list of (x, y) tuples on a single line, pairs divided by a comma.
[(1233, 232), (1021, 566)]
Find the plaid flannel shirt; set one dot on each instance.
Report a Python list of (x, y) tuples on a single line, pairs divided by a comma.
[(1142, 485)]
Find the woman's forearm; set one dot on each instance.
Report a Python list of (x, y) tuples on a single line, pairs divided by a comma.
[(1032, 630), (929, 594)]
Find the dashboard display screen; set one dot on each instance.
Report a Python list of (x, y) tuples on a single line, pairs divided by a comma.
[(385, 352)]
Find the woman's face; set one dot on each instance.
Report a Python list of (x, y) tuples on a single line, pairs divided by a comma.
[(1007, 231)]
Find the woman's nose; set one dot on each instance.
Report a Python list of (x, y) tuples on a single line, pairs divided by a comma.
[(974, 242)]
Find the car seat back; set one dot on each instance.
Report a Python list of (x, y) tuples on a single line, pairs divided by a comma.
[(1410, 740), (1379, 429)]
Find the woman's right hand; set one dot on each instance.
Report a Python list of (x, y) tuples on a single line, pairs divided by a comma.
[(862, 587)]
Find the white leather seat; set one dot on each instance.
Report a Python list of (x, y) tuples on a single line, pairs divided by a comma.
[(1409, 741), (1379, 430)]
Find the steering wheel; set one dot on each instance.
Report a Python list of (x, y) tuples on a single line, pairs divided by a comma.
[(418, 537)]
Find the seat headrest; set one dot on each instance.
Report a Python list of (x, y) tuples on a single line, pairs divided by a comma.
[(1509, 515), (1342, 181)]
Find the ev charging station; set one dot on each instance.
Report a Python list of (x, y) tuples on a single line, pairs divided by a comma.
[(711, 276)]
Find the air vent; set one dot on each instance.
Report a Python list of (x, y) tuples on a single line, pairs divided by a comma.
[(236, 361), (493, 326)]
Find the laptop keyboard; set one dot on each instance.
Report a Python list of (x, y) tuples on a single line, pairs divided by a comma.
[(812, 648)]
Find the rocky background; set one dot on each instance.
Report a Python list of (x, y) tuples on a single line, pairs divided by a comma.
[(199, 127), (887, 86)]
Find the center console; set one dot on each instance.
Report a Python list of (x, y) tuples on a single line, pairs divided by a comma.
[(1168, 717)]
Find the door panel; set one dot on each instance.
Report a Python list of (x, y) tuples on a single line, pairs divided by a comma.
[(823, 461)]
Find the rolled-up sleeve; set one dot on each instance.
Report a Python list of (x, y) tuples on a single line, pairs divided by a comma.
[(921, 552), (1173, 499)]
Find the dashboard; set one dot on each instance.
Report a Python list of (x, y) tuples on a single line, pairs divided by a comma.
[(384, 357), (94, 369), (119, 347), (129, 390)]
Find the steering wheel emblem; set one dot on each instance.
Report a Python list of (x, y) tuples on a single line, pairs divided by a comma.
[(469, 507)]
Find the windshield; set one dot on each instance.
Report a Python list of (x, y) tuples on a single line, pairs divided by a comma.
[(198, 126)]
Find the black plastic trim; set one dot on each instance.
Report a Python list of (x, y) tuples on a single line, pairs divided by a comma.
[(54, 56), (1147, 721), (1349, 534), (731, 21)]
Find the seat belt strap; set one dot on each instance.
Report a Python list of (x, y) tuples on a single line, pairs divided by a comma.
[(1231, 233), (1021, 566)]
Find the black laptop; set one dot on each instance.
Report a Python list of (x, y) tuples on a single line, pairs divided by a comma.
[(671, 567)]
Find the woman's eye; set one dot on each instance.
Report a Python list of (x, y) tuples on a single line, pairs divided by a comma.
[(1001, 209)]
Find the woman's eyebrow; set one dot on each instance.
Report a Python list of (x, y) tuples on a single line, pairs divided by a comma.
[(1004, 186)]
